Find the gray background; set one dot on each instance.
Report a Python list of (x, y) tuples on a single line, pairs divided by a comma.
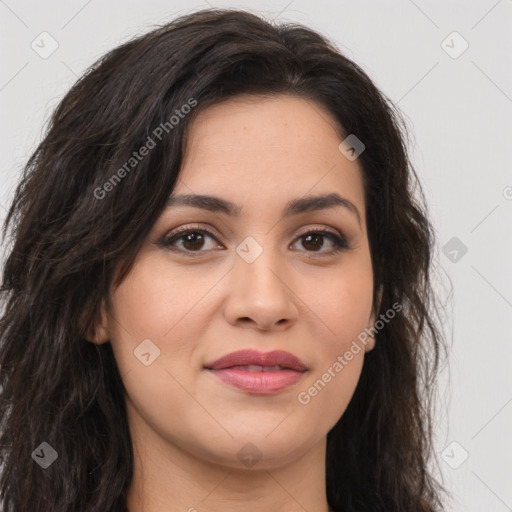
[(459, 110)]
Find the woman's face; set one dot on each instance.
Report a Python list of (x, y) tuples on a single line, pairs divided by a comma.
[(255, 281)]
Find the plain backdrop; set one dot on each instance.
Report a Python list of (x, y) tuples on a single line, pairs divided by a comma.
[(448, 67)]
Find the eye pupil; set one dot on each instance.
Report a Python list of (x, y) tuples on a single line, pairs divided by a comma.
[(314, 237), (195, 238)]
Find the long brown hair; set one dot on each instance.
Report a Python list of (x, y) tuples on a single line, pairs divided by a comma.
[(69, 230)]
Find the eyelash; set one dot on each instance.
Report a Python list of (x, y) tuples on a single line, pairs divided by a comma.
[(340, 243)]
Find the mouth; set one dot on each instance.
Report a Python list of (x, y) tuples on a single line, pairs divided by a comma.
[(258, 373)]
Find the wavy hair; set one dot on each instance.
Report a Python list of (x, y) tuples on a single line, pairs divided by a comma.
[(66, 240)]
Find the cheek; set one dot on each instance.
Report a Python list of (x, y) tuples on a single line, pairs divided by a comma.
[(326, 395), (342, 303), (343, 307), (344, 312), (154, 301), (155, 304), (143, 314), (350, 312)]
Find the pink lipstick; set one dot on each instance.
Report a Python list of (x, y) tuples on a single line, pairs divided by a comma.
[(258, 372)]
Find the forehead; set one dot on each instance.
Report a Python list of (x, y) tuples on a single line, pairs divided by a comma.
[(267, 148), (280, 121)]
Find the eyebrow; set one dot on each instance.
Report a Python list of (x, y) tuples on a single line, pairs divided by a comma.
[(292, 207)]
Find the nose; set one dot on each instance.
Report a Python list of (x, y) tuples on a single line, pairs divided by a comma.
[(260, 294)]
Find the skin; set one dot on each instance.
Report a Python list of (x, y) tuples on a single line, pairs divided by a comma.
[(187, 425)]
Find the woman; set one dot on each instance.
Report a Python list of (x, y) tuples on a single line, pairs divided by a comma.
[(218, 292)]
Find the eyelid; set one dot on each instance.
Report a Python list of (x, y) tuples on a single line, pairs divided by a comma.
[(209, 230), (318, 227), (200, 227)]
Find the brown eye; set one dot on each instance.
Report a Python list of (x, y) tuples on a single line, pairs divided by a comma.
[(313, 241), (192, 240)]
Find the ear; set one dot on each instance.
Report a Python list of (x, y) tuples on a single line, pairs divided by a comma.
[(370, 344), (99, 333)]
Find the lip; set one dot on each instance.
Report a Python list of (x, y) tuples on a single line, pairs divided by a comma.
[(248, 357), (258, 382)]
